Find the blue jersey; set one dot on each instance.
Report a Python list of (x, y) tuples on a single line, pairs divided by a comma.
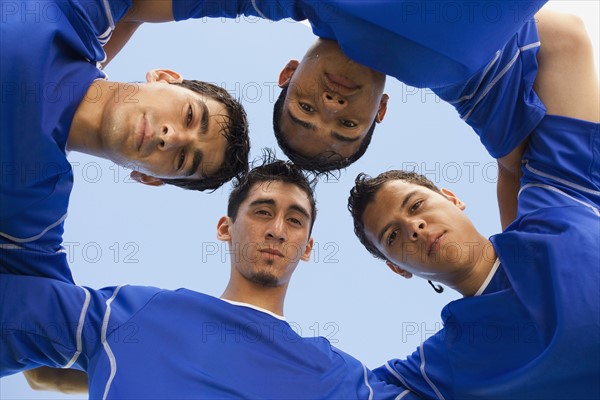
[(50, 51), (535, 331), (142, 342), (479, 56)]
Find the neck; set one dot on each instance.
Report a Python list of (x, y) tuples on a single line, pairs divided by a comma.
[(481, 261), (85, 132), (269, 298)]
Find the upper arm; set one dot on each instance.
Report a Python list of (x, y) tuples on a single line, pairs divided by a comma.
[(567, 81), (508, 184), (149, 11), (39, 318), (69, 381), (141, 11)]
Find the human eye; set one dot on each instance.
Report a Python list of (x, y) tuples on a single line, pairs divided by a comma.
[(190, 115), (306, 107), (392, 237), (263, 212), (181, 159), (416, 205), (296, 221), (348, 124)]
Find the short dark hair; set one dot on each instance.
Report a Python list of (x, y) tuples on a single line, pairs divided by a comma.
[(324, 162), (364, 191), (271, 170), (235, 131)]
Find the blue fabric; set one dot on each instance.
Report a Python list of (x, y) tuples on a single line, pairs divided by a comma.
[(49, 50), (480, 56), (172, 344), (535, 333)]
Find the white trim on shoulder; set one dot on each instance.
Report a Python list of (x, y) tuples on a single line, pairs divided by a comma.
[(487, 69), (561, 180), (552, 188), (258, 11), (11, 246), (401, 395), (366, 378), (241, 304), (488, 278), (396, 374), (508, 66), (80, 324), (36, 237), (422, 368), (111, 21), (109, 353)]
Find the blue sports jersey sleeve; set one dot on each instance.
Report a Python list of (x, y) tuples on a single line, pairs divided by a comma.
[(563, 156), (40, 321), (57, 324), (273, 10)]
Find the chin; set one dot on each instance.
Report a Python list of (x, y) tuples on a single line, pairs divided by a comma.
[(265, 279)]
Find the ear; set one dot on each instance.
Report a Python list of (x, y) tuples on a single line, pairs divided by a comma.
[(396, 269), (307, 250), (455, 200), (223, 229), (145, 179), (163, 75), (286, 73), (382, 108)]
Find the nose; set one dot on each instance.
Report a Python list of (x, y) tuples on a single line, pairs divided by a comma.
[(276, 230), (333, 102), (416, 228), (170, 138)]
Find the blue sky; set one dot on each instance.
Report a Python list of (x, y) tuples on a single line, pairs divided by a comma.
[(121, 232)]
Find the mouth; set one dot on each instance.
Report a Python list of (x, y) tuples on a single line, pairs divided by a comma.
[(434, 246), (340, 84), (273, 252), (142, 133)]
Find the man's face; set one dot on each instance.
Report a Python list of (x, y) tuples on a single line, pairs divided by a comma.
[(331, 101), (270, 234), (420, 231), (165, 131)]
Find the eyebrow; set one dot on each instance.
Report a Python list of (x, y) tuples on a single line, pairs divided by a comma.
[(204, 118), (303, 124), (271, 202), (388, 226), (334, 134), (343, 138), (195, 164), (203, 129)]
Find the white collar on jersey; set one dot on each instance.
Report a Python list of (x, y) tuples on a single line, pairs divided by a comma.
[(239, 303), (485, 283)]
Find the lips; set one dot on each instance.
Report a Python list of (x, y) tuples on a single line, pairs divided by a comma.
[(140, 132), (434, 244), (271, 251), (143, 136), (341, 84)]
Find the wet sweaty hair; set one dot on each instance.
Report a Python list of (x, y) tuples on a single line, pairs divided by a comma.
[(271, 170), (235, 131), (322, 163), (364, 191)]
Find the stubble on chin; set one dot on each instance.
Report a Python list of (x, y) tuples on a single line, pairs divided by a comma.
[(265, 278)]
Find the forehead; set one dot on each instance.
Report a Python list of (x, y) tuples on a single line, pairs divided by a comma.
[(283, 194)]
